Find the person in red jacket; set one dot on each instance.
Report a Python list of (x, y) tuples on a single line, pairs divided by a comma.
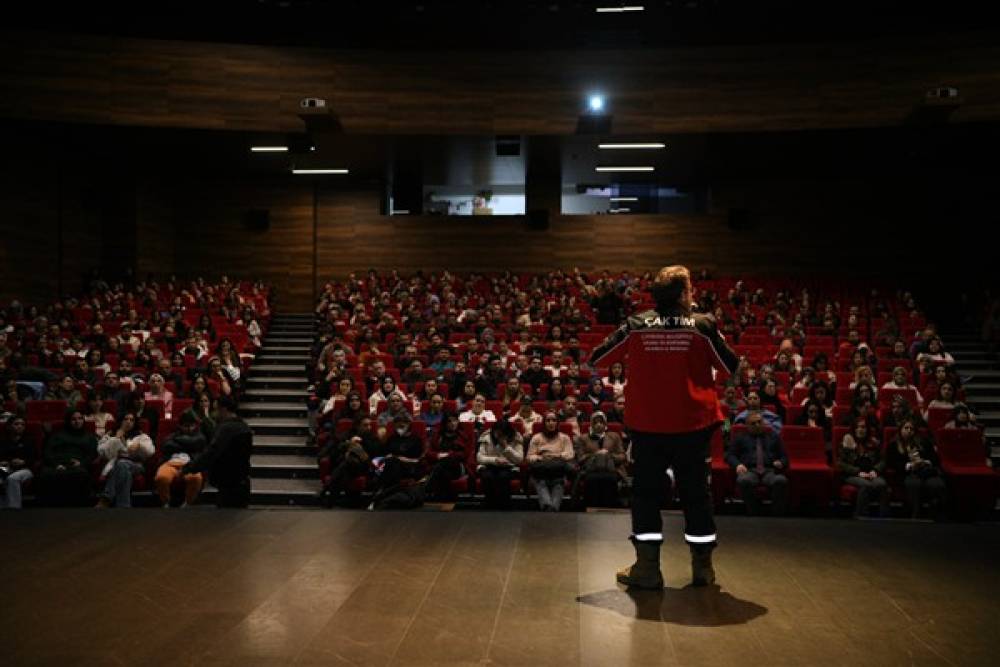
[(671, 410)]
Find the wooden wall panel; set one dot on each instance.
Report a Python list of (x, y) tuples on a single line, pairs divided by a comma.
[(791, 86), (211, 238)]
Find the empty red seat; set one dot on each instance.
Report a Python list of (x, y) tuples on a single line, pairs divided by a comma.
[(972, 485), (808, 471)]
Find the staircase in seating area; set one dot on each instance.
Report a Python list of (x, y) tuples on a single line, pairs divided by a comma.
[(283, 466), (979, 370)]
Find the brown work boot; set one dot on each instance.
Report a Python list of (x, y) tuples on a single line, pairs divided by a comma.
[(702, 572), (645, 572)]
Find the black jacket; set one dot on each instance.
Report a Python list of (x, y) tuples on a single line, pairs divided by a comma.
[(227, 457), (182, 443), (17, 449), (743, 449)]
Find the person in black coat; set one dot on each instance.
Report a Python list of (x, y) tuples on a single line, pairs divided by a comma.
[(758, 457), (17, 455), (227, 457), (403, 465)]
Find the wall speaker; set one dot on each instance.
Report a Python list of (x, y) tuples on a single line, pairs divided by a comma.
[(538, 219), (257, 219)]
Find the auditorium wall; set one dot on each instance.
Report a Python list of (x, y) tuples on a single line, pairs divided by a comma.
[(56, 227)]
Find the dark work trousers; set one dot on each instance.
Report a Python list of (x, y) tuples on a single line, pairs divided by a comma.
[(688, 454)]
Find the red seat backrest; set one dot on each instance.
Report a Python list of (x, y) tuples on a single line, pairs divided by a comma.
[(43, 411), (938, 417), (961, 447), (804, 444)]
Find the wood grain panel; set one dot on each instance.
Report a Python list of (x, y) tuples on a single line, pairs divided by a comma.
[(791, 86)]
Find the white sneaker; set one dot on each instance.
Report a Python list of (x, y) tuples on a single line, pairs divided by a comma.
[(183, 506)]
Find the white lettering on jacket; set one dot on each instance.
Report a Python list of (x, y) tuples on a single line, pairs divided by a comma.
[(672, 321)]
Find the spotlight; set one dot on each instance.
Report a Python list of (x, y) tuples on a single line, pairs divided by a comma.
[(596, 103)]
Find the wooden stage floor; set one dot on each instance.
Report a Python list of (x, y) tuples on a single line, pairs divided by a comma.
[(279, 587)]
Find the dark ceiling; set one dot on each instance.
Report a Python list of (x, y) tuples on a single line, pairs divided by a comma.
[(503, 24)]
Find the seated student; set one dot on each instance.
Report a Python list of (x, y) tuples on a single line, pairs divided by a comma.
[(758, 457), (477, 412), (403, 466), (432, 411), (807, 378), (550, 455), (385, 390), (860, 464), (466, 396), (65, 474), (822, 370), (770, 400), (429, 388), (17, 454), (527, 416), (899, 410), (912, 457), (536, 375), (157, 391), (570, 414), (754, 405), (815, 416), (183, 444), (819, 393), (899, 381), (601, 457), (616, 415), (394, 408), (596, 392), (936, 353), (447, 452), (556, 392), (96, 415), (349, 457), (65, 390), (337, 398), (615, 379), (125, 450), (945, 399), (513, 394), (499, 453)]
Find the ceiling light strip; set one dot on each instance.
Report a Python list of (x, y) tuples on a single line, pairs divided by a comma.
[(320, 171), (619, 10), (651, 146), (269, 149), (612, 169), (623, 199)]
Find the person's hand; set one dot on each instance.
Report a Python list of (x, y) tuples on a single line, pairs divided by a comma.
[(741, 469), (132, 447), (74, 463), (778, 465), (356, 440)]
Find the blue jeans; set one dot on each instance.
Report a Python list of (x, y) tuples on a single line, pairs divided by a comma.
[(12, 496), (118, 485)]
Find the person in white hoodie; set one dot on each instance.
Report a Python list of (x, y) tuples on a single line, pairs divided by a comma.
[(125, 449)]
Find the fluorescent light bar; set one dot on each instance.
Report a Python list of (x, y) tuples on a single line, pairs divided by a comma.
[(401, 212), (631, 146), (269, 149), (623, 199), (619, 210), (320, 171), (603, 169), (619, 10)]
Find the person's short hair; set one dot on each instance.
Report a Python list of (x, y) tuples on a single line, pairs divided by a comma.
[(669, 284), (188, 418), (227, 402), (599, 415)]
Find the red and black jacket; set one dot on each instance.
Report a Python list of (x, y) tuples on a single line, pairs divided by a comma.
[(670, 358)]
